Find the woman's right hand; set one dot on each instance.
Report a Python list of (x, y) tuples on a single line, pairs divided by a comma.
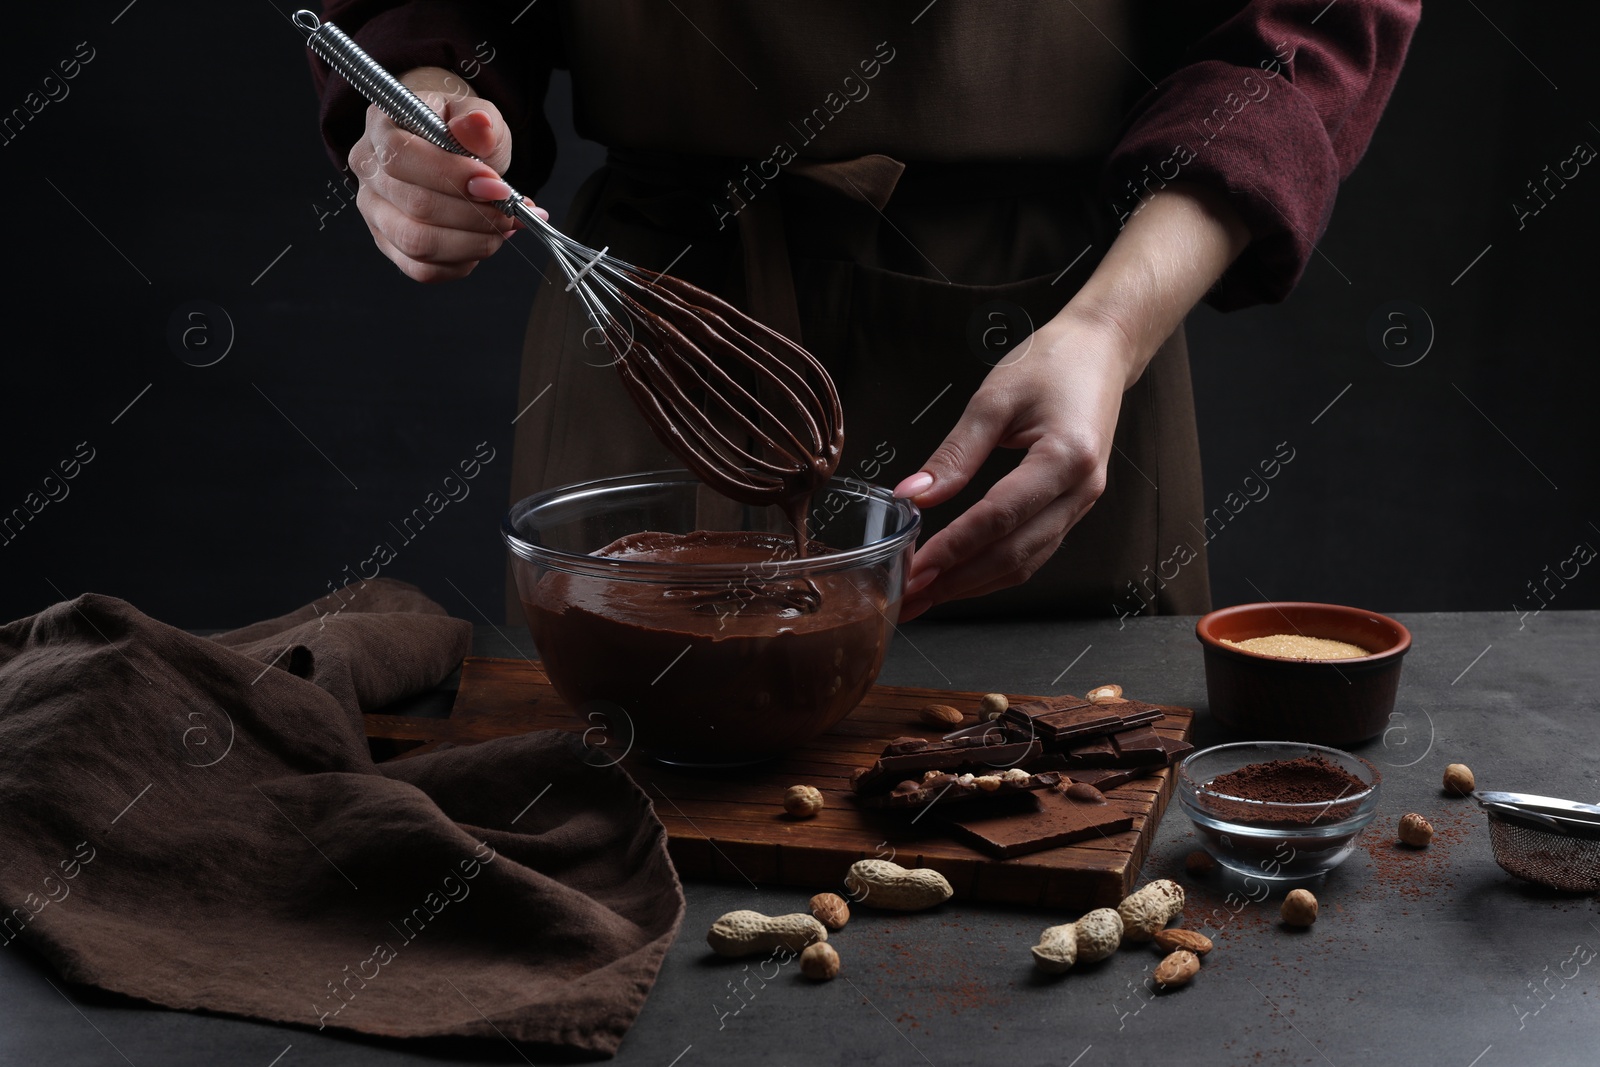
[(430, 211)]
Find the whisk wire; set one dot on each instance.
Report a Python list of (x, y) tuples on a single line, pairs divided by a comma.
[(676, 363)]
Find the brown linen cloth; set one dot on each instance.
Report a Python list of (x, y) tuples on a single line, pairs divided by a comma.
[(197, 822)]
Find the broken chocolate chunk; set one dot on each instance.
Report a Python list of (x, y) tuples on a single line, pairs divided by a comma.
[(980, 753), (1051, 820), (1059, 718), (942, 789), (1139, 745)]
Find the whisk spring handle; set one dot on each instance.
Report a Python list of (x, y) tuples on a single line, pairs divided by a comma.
[(404, 108)]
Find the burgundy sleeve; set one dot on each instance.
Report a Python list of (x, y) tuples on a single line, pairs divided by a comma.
[(1273, 108), (504, 55)]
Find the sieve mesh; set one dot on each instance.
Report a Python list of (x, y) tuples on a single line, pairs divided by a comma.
[(1550, 859)]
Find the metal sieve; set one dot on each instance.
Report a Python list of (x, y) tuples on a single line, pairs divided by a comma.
[(1554, 843)]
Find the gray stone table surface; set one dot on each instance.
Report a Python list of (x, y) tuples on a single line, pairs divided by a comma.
[(1431, 957)]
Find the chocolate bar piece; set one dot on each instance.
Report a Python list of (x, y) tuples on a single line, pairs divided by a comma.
[(980, 753), (1058, 717), (1098, 752), (1032, 709), (937, 787), (1054, 820), (1139, 745), (1064, 717), (1109, 777)]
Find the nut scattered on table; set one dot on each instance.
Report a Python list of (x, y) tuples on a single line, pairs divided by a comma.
[(1084, 793), (993, 704), (1415, 830), (1458, 780), (745, 933), (1188, 940), (1299, 908), (1176, 969), (1099, 935), (819, 962), (1104, 694), (941, 715), (830, 910), (802, 801), (888, 885), (1199, 863), (1150, 909), (1094, 937), (1057, 949)]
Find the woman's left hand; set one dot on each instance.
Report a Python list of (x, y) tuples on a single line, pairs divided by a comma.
[(1057, 395)]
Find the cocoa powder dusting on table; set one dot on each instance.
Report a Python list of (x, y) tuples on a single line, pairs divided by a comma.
[(926, 978), (1417, 874)]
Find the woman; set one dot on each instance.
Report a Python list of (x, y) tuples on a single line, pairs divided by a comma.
[(1010, 207)]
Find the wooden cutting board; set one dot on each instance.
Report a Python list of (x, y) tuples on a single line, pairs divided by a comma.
[(730, 825)]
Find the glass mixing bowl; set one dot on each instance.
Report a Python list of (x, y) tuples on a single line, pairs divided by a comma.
[(709, 664)]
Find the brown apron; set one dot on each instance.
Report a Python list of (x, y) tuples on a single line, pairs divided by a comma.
[(921, 223)]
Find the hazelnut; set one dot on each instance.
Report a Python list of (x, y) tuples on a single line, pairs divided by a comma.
[(1199, 863), (1458, 780), (1299, 908), (802, 801), (819, 962), (1415, 830), (941, 715), (830, 910), (993, 704)]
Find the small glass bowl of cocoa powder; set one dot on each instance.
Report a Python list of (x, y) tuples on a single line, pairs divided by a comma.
[(1278, 811)]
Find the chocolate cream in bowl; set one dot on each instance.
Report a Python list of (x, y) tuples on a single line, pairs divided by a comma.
[(728, 672), (733, 669)]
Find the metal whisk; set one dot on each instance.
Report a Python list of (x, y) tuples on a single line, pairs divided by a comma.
[(708, 375)]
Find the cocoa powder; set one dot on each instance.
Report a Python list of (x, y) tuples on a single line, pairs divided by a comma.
[(1306, 780)]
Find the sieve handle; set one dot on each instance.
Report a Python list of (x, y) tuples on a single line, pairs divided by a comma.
[(1549, 813), (386, 92)]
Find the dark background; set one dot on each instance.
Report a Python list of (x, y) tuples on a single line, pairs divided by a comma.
[(186, 159)]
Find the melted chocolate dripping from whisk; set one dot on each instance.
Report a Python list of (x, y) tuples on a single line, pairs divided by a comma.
[(707, 377)]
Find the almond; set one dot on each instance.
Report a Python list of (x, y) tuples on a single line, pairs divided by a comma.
[(1104, 694), (941, 715), (1188, 940), (1177, 969)]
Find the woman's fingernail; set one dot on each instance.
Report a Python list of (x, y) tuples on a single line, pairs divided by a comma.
[(915, 485), (910, 609), (488, 188), (921, 581)]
